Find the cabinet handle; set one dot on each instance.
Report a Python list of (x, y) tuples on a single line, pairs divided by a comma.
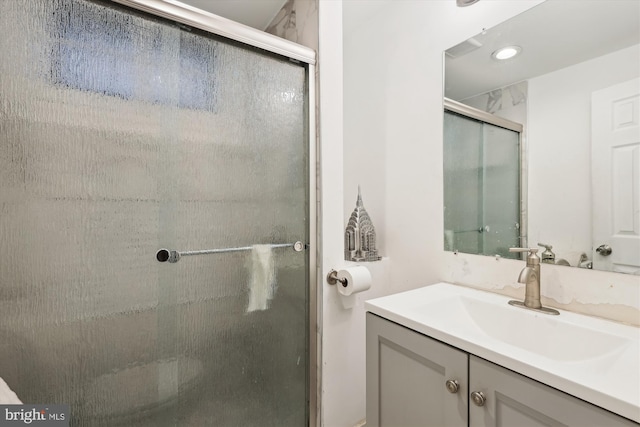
[(478, 398), (452, 386)]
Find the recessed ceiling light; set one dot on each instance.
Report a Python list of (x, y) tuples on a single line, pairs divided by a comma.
[(506, 52)]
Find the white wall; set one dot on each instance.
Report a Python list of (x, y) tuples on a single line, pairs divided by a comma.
[(391, 97), (559, 136)]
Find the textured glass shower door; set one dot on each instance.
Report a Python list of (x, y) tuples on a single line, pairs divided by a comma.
[(122, 134), (481, 187)]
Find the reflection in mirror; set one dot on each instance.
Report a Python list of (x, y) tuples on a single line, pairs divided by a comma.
[(481, 182), (575, 88)]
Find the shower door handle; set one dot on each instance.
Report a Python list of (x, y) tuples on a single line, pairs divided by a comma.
[(164, 255)]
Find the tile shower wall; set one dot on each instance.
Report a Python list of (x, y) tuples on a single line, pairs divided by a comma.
[(509, 102), (297, 21)]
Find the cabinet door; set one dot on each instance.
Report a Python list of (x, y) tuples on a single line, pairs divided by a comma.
[(406, 378), (515, 400)]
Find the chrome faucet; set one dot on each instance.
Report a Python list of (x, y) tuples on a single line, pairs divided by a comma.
[(530, 276)]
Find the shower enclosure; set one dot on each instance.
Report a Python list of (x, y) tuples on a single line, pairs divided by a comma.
[(123, 132), (482, 182)]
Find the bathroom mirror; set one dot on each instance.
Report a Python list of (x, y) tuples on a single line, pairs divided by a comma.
[(574, 86)]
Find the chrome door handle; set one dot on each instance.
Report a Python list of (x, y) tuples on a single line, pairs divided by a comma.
[(604, 250), (478, 398), (452, 386)]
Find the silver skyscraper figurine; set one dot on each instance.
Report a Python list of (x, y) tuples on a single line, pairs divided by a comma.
[(360, 235)]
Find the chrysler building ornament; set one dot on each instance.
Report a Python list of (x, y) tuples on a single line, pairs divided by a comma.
[(360, 235)]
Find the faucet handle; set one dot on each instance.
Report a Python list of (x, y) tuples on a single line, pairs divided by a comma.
[(532, 258), (530, 250)]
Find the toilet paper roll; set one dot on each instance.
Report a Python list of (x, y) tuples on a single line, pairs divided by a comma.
[(358, 280)]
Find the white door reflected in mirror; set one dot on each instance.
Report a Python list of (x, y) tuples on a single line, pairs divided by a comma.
[(615, 163)]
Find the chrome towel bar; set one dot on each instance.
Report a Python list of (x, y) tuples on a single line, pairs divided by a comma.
[(164, 255)]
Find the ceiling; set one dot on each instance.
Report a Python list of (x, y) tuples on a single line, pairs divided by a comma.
[(253, 13), (553, 35)]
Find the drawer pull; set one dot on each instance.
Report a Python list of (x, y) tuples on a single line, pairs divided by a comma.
[(452, 386), (478, 398)]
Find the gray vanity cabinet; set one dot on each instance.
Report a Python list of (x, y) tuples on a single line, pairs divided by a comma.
[(407, 386), (406, 376), (515, 400)]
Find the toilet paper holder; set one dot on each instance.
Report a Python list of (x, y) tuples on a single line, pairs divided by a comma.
[(332, 278)]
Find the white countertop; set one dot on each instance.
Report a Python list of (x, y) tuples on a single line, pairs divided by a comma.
[(593, 359)]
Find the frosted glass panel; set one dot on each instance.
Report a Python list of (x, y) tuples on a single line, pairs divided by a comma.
[(122, 134), (501, 201), (462, 184), (481, 187)]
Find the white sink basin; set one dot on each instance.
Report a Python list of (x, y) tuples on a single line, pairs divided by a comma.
[(554, 337), (594, 359)]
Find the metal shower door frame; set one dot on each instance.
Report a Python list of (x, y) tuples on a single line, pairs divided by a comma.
[(194, 17)]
